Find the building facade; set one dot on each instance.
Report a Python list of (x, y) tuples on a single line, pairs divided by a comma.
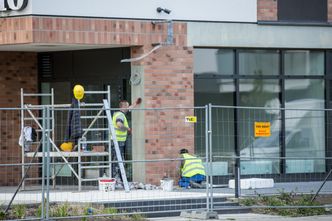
[(213, 52)]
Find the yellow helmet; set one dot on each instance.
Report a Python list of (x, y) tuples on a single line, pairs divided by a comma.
[(66, 146), (78, 91)]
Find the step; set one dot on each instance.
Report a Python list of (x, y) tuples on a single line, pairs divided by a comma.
[(160, 208)]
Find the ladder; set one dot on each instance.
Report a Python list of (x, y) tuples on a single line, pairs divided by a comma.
[(116, 145)]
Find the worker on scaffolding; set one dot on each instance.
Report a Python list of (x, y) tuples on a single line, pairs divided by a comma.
[(122, 130), (192, 171)]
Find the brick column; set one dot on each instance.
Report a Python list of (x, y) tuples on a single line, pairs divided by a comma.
[(168, 82), (17, 70), (267, 10)]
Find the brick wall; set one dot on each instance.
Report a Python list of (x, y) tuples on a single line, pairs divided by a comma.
[(59, 30), (267, 10), (17, 70), (329, 8), (16, 30), (168, 82), (168, 72)]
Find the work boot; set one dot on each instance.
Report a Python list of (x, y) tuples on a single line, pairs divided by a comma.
[(195, 185)]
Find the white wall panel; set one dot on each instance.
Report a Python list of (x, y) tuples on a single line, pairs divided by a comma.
[(201, 10)]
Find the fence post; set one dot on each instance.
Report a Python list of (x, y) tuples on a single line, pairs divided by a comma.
[(48, 144), (210, 213), (207, 158), (237, 175), (43, 163), (210, 158)]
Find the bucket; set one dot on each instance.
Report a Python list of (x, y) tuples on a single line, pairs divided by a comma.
[(107, 184), (167, 184)]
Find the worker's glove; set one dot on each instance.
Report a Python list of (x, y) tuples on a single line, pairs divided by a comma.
[(129, 131)]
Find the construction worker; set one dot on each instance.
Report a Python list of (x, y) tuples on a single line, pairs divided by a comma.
[(122, 130), (192, 171)]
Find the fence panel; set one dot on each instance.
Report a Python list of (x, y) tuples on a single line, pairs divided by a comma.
[(281, 152), (17, 147), (152, 162)]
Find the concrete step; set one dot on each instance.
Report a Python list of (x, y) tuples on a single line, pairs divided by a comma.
[(161, 208)]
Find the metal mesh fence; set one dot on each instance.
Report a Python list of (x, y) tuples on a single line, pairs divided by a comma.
[(263, 152), (269, 154)]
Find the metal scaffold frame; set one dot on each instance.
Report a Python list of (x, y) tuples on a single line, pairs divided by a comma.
[(55, 150)]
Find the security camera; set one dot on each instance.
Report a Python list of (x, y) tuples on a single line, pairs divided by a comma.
[(160, 9), (167, 11)]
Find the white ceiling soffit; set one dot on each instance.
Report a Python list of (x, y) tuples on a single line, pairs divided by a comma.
[(53, 47)]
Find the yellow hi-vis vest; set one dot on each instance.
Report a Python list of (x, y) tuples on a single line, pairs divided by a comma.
[(192, 166), (121, 135)]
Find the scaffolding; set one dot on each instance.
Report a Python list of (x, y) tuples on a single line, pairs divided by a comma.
[(55, 152)]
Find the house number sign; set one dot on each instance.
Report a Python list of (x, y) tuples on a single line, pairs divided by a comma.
[(14, 5)]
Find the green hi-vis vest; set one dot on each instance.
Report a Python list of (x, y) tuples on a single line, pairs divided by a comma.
[(192, 166), (121, 135)]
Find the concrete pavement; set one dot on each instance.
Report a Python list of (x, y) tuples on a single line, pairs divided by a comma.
[(250, 216)]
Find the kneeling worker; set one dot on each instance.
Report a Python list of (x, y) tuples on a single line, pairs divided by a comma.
[(192, 171)]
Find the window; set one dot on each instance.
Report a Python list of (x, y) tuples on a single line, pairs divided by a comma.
[(268, 91), (304, 62), (302, 10), (258, 62), (210, 62), (305, 135)]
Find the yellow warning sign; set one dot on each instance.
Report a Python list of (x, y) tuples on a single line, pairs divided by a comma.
[(190, 119), (262, 129)]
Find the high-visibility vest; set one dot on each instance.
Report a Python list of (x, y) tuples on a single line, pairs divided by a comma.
[(192, 166), (121, 135)]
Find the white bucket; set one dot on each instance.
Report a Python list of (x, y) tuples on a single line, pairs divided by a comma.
[(167, 185), (107, 184)]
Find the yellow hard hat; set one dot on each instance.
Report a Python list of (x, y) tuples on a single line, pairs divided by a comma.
[(78, 91), (66, 146)]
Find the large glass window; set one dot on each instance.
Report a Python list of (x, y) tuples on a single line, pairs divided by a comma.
[(210, 87), (258, 62), (304, 62), (305, 129), (209, 62), (259, 147), (217, 92), (261, 82)]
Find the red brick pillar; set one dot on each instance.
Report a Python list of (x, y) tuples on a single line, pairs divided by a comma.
[(267, 10), (168, 82), (17, 70)]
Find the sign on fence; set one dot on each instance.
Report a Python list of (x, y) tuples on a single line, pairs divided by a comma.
[(190, 119), (262, 129)]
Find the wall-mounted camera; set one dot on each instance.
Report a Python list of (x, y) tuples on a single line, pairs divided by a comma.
[(160, 9)]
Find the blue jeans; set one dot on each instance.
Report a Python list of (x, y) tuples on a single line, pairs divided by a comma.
[(185, 181)]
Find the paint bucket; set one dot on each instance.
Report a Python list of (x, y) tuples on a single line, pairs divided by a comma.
[(167, 184)]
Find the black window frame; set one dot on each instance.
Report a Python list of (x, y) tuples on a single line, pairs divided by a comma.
[(327, 78)]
